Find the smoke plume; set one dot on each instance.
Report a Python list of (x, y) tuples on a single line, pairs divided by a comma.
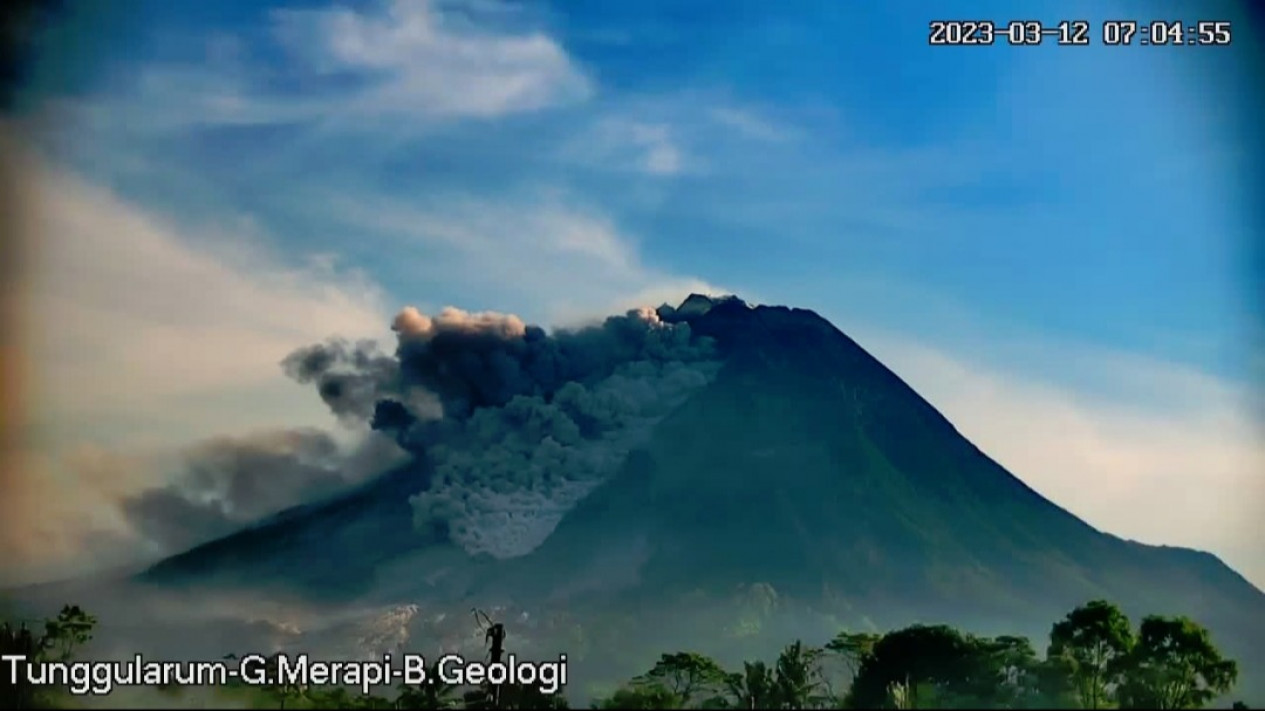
[(514, 424), (227, 483)]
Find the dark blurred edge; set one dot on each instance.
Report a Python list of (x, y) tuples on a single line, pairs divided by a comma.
[(21, 24)]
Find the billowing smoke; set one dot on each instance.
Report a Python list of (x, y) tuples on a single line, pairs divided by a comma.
[(515, 424), (349, 378), (226, 483)]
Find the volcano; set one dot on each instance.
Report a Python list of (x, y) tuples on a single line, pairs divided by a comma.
[(802, 464)]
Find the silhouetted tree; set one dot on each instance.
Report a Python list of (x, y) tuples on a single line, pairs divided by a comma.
[(1004, 673), (686, 675), (642, 696), (852, 647), (434, 693), (62, 636), (797, 676), (755, 687), (932, 663), (1093, 641), (1174, 665)]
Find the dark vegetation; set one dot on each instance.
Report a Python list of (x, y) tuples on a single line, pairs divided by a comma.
[(1094, 659)]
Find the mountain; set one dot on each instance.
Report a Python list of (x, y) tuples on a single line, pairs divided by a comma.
[(803, 465)]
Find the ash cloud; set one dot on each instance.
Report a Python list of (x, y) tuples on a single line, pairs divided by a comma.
[(350, 378), (515, 424), (225, 484)]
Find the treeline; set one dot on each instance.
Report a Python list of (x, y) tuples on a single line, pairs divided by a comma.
[(1094, 659)]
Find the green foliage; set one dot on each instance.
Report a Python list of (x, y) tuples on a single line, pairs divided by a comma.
[(643, 696), (72, 628), (798, 675), (1174, 665), (685, 674), (510, 696), (852, 647), (1094, 641), (62, 636), (437, 695), (755, 687), (922, 660), (1054, 687)]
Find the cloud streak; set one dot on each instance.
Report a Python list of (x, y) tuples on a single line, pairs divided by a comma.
[(397, 65), (559, 261), (627, 145), (1171, 456), (413, 60)]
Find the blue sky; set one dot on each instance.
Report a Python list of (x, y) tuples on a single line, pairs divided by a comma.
[(1069, 227), (1090, 192)]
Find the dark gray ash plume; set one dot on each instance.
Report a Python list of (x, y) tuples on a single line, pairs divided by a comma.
[(516, 424)]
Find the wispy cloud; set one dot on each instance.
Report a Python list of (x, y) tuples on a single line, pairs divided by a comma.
[(136, 314), (358, 68), (629, 145), (1169, 456), (143, 335), (553, 259), (412, 59), (750, 124)]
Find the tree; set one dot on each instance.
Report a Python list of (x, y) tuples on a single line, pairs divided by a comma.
[(643, 696), (433, 693), (797, 675), (72, 628), (1093, 641), (62, 636), (754, 687), (847, 649), (512, 696), (281, 689), (685, 674), (531, 696), (852, 647), (1174, 665), (1052, 678), (926, 664), (1005, 673)]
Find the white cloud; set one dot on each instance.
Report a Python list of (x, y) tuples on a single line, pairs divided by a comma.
[(1171, 456), (626, 145), (134, 315), (418, 62), (402, 65), (554, 261), (750, 124), (140, 335)]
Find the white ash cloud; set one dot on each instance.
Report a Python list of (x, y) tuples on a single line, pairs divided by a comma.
[(224, 484), (515, 424)]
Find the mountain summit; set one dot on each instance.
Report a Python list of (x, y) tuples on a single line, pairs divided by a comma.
[(697, 450)]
